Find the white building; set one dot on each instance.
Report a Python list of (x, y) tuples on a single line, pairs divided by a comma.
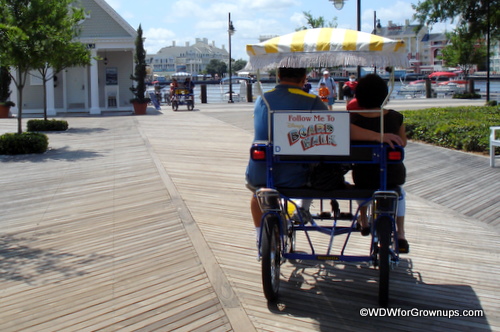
[(189, 58), (102, 86)]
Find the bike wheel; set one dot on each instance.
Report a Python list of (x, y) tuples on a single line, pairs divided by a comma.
[(384, 231), (175, 106), (190, 105), (271, 257)]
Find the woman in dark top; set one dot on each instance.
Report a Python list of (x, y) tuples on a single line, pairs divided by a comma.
[(371, 92), (366, 175)]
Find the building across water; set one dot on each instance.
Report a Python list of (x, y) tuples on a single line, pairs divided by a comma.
[(188, 58)]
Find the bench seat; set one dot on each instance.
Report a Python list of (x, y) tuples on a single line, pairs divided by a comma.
[(494, 142)]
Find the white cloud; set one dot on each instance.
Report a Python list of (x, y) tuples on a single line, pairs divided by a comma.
[(156, 38), (268, 5), (397, 13), (116, 4), (298, 19)]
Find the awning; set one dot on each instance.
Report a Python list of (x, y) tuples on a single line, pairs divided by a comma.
[(326, 47)]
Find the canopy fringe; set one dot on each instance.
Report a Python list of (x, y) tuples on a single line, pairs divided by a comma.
[(325, 59)]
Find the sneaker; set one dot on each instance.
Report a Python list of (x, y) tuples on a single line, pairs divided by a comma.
[(304, 217), (403, 246), (258, 250)]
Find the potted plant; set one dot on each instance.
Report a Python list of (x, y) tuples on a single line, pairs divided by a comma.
[(5, 103), (140, 101)]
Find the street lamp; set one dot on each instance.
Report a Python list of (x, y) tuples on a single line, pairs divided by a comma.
[(339, 4), (230, 32)]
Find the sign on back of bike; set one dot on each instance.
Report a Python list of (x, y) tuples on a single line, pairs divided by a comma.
[(311, 133)]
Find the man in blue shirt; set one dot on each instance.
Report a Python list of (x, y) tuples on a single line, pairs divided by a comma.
[(287, 95)]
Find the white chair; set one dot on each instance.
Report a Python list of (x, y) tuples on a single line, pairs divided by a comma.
[(494, 141)]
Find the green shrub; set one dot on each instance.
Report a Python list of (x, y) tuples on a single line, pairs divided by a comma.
[(466, 95), (463, 128), (47, 125), (24, 143)]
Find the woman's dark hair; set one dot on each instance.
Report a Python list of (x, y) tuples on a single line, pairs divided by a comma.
[(292, 74), (371, 91)]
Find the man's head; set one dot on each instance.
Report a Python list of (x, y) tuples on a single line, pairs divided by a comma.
[(371, 91), (292, 75), (326, 73)]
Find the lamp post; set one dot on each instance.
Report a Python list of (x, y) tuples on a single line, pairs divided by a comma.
[(488, 45), (339, 4), (230, 32)]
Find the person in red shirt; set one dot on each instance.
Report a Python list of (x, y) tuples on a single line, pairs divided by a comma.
[(349, 88)]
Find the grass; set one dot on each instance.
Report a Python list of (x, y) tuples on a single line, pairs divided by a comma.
[(465, 128)]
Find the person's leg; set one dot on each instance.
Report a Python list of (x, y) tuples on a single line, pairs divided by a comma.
[(364, 226), (400, 226), (403, 245), (400, 220), (256, 211)]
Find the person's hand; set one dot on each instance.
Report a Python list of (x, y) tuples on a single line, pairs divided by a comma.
[(392, 139)]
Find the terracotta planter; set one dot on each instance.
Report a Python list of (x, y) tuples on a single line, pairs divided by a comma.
[(4, 111), (140, 108)]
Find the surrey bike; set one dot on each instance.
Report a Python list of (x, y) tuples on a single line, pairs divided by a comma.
[(323, 48), (316, 143), (182, 96)]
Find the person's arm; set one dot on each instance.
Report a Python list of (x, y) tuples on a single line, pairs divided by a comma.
[(362, 134), (402, 134)]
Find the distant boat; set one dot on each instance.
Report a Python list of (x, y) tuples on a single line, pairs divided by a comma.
[(451, 87), (238, 83), (413, 89), (442, 83), (442, 74)]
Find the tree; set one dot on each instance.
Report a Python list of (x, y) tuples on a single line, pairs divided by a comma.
[(216, 67), (481, 17), (463, 50), (474, 12), (61, 48), (139, 90), (239, 65), (319, 22), (28, 29)]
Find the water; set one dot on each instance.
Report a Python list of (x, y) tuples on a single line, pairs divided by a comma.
[(217, 95)]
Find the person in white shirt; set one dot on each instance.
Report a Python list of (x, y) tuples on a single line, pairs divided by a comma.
[(331, 85)]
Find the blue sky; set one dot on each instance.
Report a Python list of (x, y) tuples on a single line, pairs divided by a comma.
[(165, 21)]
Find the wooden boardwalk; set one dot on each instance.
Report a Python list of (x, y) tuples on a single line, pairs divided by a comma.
[(142, 224)]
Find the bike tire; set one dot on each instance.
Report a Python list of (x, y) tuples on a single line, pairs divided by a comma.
[(271, 257), (384, 232), (175, 106)]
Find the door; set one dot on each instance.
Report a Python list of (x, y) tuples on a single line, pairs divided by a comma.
[(76, 88)]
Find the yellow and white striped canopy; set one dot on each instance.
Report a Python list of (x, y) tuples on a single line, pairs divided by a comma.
[(326, 47)]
